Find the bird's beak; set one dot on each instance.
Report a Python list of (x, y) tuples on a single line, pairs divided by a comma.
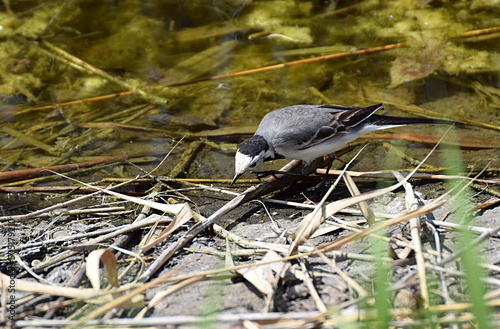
[(235, 179)]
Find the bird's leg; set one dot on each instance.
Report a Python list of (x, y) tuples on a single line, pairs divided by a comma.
[(332, 157)]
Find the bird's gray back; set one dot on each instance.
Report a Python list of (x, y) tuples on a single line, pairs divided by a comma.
[(309, 131), (306, 119)]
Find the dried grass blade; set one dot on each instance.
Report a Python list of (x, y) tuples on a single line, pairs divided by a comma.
[(251, 325), (224, 320), (134, 256), (30, 271), (374, 228), (251, 193), (119, 231), (363, 205), (228, 255), (16, 218), (402, 218), (39, 288), (332, 263), (325, 230), (313, 220)]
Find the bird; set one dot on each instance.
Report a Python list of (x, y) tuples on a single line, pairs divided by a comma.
[(307, 132)]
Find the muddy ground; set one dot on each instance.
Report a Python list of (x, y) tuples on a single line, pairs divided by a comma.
[(230, 293)]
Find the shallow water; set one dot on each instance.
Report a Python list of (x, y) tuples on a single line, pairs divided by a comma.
[(85, 80)]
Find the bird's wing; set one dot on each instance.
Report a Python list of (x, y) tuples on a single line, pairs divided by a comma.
[(332, 121)]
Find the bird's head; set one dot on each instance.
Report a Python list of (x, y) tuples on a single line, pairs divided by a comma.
[(250, 155)]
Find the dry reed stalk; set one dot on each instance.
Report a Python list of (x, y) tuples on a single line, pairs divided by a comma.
[(415, 228)]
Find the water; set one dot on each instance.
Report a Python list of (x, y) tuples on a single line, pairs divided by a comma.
[(90, 79)]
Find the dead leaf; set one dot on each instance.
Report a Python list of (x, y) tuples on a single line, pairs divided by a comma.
[(109, 261), (181, 218), (262, 277)]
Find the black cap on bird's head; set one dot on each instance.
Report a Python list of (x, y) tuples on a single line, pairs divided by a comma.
[(250, 155)]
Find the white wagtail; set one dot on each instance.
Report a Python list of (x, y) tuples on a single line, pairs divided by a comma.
[(307, 132)]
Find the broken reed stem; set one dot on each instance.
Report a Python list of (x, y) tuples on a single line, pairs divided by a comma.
[(298, 62), (477, 32), (150, 97), (24, 173)]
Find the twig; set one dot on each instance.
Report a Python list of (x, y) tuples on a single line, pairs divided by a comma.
[(363, 206), (442, 281), (29, 270), (175, 320), (477, 32), (312, 290), (72, 212), (236, 253), (476, 229), (218, 77), (282, 248), (303, 232), (383, 174)]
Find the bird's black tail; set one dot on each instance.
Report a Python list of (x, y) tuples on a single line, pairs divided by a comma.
[(382, 120)]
